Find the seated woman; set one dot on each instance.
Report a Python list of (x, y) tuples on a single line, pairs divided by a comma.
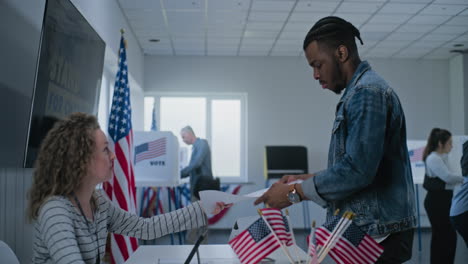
[(71, 217)]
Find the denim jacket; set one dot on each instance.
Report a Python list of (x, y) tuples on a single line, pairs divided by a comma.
[(368, 170)]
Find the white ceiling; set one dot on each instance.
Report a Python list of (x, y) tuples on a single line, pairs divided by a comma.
[(426, 29)]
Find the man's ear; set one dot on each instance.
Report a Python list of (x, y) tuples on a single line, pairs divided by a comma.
[(342, 53)]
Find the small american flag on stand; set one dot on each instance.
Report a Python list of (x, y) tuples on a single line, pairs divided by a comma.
[(279, 224), (121, 188), (255, 243), (354, 246)]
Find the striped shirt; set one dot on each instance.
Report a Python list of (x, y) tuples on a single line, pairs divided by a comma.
[(62, 235)]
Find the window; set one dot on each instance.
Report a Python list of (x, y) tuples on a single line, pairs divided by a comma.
[(221, 119)]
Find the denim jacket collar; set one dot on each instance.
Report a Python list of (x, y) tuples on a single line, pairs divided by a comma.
[(360, 70)]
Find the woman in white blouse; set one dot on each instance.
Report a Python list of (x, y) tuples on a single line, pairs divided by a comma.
[(438, 201)]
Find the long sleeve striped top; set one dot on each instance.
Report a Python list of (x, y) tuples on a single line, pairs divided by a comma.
[(62, 235)]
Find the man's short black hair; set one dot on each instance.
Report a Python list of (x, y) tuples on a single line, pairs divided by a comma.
[(332, 32)]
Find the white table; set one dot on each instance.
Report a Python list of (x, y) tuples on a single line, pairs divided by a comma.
[(209, 254)]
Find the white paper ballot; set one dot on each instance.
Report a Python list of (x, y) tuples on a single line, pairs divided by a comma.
[(209, 198)]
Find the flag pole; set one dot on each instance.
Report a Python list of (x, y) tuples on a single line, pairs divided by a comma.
[(293, 237), (347, 216), (277, 238), (311, 242), (333, 234)]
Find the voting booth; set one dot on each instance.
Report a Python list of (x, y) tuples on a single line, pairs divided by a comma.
[(156, 158)]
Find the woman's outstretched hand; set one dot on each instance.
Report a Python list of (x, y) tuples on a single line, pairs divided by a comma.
[(220, 206)]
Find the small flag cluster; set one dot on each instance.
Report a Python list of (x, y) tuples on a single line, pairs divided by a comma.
[(344, 242), (268, 233), (339, 237)]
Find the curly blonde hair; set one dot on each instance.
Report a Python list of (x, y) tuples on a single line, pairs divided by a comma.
[(63, 159)]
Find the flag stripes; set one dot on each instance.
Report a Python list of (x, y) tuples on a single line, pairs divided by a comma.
[(150, 150), (255, 243), (121, 188), (279, 224)]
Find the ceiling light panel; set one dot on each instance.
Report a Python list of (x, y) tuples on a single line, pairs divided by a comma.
[(448, 29), (393, 19), (263, 5), (429, 19), (415, 28), (140, 4), (437, 9), (438, 37), (270, 26), (260, 34), (227, 17), (402, 36), (303, 17), (237, 5), (427, 44), (354, 18), (412, 1), (316, 6), (359, 7), (373, 36), (268, 16), (184, 5), (370, 27), (458, 21), (401, 8)]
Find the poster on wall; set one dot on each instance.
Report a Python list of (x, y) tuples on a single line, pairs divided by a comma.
[(156, 158), (415, 151)]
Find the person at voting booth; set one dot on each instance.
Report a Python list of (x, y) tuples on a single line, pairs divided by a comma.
[(369, 169), (71, 218), (439, 182), (199, 168)]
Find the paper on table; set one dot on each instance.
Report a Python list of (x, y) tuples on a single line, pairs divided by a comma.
[(209, 198)]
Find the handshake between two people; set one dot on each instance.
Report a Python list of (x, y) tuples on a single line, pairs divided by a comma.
[(277, 195)]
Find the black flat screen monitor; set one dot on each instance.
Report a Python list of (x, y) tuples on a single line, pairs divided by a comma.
[(69, 71)]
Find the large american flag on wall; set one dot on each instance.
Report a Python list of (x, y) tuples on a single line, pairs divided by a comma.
[(121, 188)]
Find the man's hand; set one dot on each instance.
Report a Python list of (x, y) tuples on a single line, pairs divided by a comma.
[(291, 178), (276, 196)]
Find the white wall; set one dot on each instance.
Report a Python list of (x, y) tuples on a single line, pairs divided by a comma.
[(106, 17), (286, 106), (457, 95)]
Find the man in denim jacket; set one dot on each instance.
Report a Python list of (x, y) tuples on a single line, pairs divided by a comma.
[(368, 170)]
